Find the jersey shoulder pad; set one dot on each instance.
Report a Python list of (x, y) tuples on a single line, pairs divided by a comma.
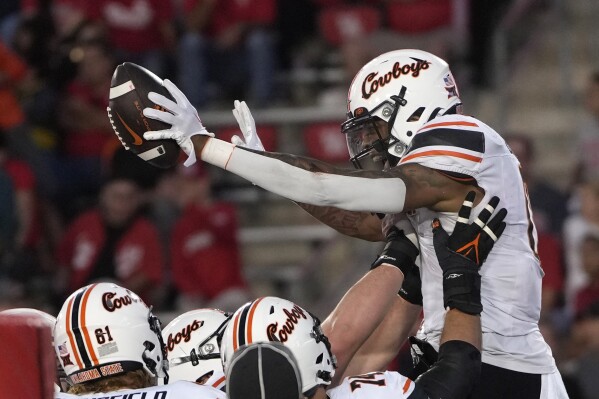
[(451, 143)]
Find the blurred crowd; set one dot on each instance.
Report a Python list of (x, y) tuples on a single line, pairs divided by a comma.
[(75, 207)]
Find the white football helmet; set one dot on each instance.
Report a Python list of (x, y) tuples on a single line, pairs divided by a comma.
[(396, 92), (193, 345), (275, 319), (105, 330)]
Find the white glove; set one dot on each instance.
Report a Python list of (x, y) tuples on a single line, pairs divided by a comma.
[(248, 127), (183, 118)]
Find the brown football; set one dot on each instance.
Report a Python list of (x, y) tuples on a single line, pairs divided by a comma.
[(128, 97)]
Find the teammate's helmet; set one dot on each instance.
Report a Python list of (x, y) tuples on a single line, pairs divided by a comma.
[(276, 319), (106, 330), (401, 89), (193, 345)]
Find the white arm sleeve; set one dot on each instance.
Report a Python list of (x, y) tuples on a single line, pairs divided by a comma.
[(383, 195)]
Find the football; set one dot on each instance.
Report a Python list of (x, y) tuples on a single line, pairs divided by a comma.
[(128, 97)]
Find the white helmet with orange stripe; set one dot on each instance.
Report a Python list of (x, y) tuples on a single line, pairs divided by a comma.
[(106, 330), (396, 92), (275, 319), (193, 345)]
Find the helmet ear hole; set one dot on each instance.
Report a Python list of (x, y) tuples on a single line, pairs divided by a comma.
[(415, 117)]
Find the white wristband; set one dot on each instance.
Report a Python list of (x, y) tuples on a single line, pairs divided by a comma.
[(217, 152)]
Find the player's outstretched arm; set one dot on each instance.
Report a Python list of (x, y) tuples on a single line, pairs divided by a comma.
[(302, 179), (366, 304), (460, 256)]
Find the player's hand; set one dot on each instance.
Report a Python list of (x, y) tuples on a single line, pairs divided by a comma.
[(399, 252), (461, 254), (181, 115), (246, 122)]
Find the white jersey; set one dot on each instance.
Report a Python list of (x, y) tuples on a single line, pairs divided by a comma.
[(379, 385), (464, 147), (176, 390)]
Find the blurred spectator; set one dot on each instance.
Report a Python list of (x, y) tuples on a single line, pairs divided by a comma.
[(547, 201), (24, 249), (13, 70), (112, 242), (8, 224), (141, 31), (88, 135), (576, 227), (587, 142), (27, 233), (363, 30), (580, 372), (589, 294), (205, 255), (436, 26), (228, 45), (9, 19), (484, 17), (13, 124)]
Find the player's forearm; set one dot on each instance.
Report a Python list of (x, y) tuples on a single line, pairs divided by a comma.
[(355, 192), (384, 343), (360, 311), (460, 326), (363, 225)]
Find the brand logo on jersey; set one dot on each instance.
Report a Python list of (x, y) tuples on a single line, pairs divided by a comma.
[(184, 335), (64, 354), (282, 335), (373, 82), (111, 303), (453, 275)]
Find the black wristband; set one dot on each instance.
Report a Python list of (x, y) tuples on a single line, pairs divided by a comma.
[(461, 290), (399, 252), (411, 288)]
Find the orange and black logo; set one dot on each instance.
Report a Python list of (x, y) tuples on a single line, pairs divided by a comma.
[(373, 81)]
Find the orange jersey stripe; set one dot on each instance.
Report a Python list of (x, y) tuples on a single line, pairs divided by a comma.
[(70, 333), (250, 318), (218, 382), (406, 386), (442, 152), (88, 341), (440, 124), (235, 327)]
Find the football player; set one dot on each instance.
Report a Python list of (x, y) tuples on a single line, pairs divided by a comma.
[(405, 117), (279, 320), (193, 345), (108, 340)]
